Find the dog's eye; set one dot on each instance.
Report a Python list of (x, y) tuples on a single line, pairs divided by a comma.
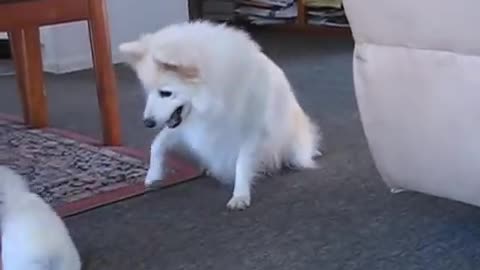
[(164, 94)]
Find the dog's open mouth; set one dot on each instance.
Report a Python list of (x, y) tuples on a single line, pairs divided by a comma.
[(175, 119)]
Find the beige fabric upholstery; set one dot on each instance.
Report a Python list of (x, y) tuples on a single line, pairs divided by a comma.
[(417, 81)]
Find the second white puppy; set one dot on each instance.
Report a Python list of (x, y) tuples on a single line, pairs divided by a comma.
[(209, 87), (33, 236)]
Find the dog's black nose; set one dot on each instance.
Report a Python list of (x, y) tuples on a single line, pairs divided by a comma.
[(149, 122)]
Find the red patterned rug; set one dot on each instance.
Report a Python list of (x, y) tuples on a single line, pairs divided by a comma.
[(73, 174)]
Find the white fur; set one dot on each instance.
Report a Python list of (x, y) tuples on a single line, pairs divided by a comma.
[(33, 236), (241, 115)]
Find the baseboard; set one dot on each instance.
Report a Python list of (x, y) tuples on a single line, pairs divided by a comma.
[(76, 64)]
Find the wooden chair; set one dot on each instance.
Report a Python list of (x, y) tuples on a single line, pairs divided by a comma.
[(22, 19)]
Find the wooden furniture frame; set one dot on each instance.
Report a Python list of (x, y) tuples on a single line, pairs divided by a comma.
[(22, 20), (302, 24)]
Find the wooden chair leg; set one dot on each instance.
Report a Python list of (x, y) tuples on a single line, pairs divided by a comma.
[(16, 44), (104, 72), (27, 55)]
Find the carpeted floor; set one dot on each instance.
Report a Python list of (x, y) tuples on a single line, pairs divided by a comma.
[(339, 217), (63, 170)]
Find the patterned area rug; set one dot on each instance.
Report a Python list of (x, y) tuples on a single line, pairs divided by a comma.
[(65, 171)]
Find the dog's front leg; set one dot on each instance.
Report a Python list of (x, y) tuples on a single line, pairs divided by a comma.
[(157, 157), (244, 174)]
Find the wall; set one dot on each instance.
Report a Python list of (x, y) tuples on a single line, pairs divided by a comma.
[(66, 47)]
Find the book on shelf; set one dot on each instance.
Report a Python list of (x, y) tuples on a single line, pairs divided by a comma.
[(332, 22), (266, 3), (265, 12), (268, 21), (326, 13), (281, 13), (323, 3)]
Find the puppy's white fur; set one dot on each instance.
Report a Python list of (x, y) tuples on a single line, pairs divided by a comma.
[(240, 114), (33, 236)]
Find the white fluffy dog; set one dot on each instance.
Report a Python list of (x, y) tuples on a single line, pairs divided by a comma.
[(33, 236), (210, 88)]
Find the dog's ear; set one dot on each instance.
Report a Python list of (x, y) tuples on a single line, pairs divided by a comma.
[(133, 51), (187, 72)]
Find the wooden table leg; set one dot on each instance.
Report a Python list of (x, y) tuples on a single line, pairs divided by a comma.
[(27, 55), (104, 72)]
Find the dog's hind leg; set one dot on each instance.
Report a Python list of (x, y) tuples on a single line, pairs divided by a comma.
[(305, 148)]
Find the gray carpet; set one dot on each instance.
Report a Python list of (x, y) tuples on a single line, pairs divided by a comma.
[(338, 217)]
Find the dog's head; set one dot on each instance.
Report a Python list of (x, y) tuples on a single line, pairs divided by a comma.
[(170, 80)]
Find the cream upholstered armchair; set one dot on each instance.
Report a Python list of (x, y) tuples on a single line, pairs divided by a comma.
[(417, 81)]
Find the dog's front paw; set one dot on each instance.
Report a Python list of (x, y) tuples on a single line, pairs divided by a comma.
[(152, 177), (239, 202)]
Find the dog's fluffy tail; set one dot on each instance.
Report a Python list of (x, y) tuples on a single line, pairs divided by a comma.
[(12, 185)]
